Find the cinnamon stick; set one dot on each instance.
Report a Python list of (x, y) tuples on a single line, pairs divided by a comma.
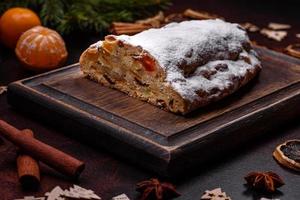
[(128, 28), (47, 154), (198, 15), (28, 167)]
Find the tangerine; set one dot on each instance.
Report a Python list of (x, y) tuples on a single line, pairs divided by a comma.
[(41, 48), (14, 22)]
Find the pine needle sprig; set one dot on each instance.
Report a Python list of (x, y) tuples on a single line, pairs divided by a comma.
[(67, 16), (5, 4), (52, 12)]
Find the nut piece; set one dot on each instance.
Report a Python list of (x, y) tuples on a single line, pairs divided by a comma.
[(288, 154)]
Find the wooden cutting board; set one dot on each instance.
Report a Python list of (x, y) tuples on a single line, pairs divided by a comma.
[(153, 138)]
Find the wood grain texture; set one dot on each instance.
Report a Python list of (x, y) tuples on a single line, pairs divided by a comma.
[(167, 143)]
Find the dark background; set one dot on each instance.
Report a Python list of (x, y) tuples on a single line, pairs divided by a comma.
[(108, 175)]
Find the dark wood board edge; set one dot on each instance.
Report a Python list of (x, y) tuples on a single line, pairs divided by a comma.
[(186, 156), (165, 161), (156, 159), (235, 135), (57, 73), (105, 115), (260, 105)]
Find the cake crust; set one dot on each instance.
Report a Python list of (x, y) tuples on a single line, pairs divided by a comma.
[(180, 67)]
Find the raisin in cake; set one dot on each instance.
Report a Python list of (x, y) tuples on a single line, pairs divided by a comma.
[(179, 67)]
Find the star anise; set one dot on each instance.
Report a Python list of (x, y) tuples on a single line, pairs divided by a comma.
[(154, 189), (266, 181)]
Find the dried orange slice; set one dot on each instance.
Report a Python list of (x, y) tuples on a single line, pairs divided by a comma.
[(288, 154)]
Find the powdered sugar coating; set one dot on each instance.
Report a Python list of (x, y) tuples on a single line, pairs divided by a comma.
[(189, 43), (96, 45), (188, 86)]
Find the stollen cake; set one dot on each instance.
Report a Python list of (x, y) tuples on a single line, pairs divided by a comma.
[(179, 67)]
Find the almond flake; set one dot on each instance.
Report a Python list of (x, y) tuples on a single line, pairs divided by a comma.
[(277, 26)]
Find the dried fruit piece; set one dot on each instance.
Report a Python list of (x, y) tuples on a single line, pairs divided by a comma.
[(109, 44), (148, 63), (215, 194), (266, 181), (288, 154), (153, 188)]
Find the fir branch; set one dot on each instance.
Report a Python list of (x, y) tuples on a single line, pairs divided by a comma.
[(52, 12), (67, 16), (5, 4)]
